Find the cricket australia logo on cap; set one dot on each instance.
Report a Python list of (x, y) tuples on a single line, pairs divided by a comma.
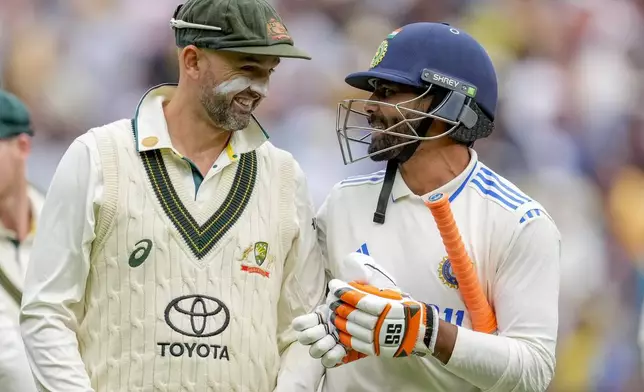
[(276, 30)]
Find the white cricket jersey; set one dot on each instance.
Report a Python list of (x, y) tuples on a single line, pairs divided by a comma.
[(517, 268), (144, 279)]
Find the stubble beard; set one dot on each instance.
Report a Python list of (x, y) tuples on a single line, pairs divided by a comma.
[(381, 141), (220, 109)]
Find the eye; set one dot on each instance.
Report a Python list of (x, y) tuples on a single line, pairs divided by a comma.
[(248, 68), (386, 92)]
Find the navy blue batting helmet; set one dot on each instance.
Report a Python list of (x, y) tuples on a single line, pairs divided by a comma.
[(407, 53)]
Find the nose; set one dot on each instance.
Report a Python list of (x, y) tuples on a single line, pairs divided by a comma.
[(371, 106), (254, 94)]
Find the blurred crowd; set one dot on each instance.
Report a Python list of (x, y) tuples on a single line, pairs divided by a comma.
[(569, 132)]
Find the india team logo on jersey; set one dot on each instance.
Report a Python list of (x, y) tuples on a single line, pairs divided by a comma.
[(263, 260), (446, 274)]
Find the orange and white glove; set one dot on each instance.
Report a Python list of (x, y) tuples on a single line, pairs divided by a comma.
[(381, 322), (316, 330)]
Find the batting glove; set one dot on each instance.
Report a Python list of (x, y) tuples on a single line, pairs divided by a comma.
[(316, 330), (381, 322)]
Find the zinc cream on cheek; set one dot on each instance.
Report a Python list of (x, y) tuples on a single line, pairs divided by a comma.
[(238, 84)]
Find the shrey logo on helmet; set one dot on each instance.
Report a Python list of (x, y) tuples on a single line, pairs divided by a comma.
[(196, 316)]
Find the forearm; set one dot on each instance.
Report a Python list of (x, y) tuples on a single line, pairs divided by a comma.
[(52, 350), (494, 363), (54, 288), (298, 371), (526, 293)]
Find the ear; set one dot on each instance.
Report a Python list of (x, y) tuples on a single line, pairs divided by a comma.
[(191, 59), (24, 145)]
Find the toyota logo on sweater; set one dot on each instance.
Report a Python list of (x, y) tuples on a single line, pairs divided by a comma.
[(197, 316)]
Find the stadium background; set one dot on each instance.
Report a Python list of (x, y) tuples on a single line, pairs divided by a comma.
[(570, 129)]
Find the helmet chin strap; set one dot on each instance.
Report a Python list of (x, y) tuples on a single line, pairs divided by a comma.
[(392, 167)]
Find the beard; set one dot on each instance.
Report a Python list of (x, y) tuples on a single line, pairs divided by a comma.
[(221, 109), (381, 141)]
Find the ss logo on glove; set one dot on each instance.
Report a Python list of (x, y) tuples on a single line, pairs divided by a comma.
[(393, 334)]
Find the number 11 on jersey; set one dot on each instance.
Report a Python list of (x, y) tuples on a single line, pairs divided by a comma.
[(451, 315)]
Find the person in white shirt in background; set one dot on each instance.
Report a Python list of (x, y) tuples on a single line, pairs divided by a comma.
[(434, 93), (177, 247), (20, 205)]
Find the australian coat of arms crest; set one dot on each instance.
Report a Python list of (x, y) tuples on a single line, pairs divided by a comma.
[(261, 262)]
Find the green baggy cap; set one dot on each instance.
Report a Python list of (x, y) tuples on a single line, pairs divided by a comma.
[(14, 116), (245, 26)]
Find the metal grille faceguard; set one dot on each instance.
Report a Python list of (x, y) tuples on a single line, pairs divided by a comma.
[(353, 129)]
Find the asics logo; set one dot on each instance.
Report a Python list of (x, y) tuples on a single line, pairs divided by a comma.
[(140, 253)]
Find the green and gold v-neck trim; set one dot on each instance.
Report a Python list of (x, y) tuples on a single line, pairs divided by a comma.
[(200, 239)]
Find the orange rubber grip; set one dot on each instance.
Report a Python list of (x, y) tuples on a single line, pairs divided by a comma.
[(481, 314)]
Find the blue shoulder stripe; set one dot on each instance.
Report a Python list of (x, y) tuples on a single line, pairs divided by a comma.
[(372, 178), (489, 192), (530, 215), (497, 188), (379, 172), (504, 183)]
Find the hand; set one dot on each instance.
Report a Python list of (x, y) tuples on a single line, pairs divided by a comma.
[(380, 322), (315, 330)]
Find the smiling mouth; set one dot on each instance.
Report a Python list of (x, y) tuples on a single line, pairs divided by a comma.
[(245, 104)]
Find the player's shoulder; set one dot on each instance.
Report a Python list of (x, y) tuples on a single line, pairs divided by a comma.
[(361, 187), (119, 126), (271, 151), (352, 197), (503, 199), (122, 129), (276, 158), (89, 140), (356, 183)]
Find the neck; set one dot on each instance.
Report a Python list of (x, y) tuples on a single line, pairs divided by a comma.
[(192, 133), (15, 211), (429, 169)]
